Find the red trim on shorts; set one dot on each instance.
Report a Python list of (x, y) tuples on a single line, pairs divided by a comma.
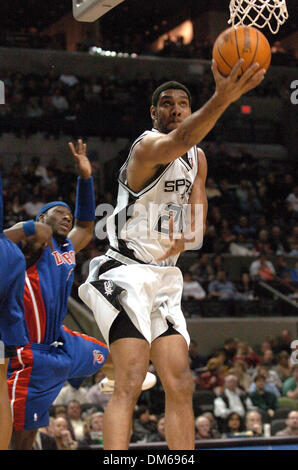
[(30, 313), (81, 335), (18, 383)]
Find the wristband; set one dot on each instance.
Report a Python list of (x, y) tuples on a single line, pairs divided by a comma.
[(29, 228), (85, 200)]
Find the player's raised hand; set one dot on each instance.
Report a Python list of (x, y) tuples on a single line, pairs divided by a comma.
[(231, 88), (80, 155)]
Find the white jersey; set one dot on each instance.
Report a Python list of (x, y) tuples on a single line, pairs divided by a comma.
[(139, 225)]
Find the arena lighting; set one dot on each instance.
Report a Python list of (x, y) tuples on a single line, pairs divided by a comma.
[(245, 109), (91, 10), (99, 51)]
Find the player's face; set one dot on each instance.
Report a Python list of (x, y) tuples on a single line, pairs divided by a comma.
[(172, 108), (60, 219)]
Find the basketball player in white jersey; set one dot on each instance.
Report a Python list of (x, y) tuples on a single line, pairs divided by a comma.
[(135, 289)]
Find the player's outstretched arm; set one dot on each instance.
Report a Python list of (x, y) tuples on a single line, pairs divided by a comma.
[(161, 149), (82, 231), (32, 231)]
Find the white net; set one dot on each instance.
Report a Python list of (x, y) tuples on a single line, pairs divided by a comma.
[(259, 13)]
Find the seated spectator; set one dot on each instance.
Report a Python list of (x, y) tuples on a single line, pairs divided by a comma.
[(245, 287), (92, 430), (262, 244), (278, 241), (254, 423), (269, 358), (212, 190), (262, 399), (241, 246), (160, 434), (191, 288), (74, 416), (273, 383), (213, 424), (221, 288), (94, 395), (293, 241), (232, 399), (283, 367), (246, 354), (262, 269), (144, 424), (68, 393), (202, 269), (233, 425), (203, 428), (44, 439), (292, 199), (292, 425), (244, 228), (244, 378), (62, 435), (211, 379), (196, 360), (289, 397)]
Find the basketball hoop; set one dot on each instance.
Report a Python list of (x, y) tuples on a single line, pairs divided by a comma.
[(259, 13)]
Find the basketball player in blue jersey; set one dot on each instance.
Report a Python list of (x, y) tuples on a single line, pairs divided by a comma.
[(135, 289), (54, 353), (12, 322)]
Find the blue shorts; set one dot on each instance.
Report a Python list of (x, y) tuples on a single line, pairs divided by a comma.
[(12, 283), (37, 374)]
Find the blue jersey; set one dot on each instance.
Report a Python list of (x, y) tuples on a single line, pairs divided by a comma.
[(48, 285), (1, 206), (12, 277)]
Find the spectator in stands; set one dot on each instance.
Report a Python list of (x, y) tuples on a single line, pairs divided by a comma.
[(262, 269), (74, 416), (244, 378), (196, 360), (93, 430), (293, 241), (245, 228), (281, 266), (242, 246), (228, 351), (269, 358), (292, 199), (68, 393), (283, 367), (282, 342), (262, 244), (62, 435), (262, 399), (289, 397), (33, 206), (212, 190), (221, 288), (245, 287), (94, 395), (233, 425), (232, 399), (246, 354), (254, 423), (273, 382), (44, 439), (211, 378), (144, 424), (203, 428), (292, 425), (191, 288), (213, 425), (202, 269), (160, 434), (278, 241)]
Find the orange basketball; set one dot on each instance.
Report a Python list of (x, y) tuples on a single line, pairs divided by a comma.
[(243, 42)]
